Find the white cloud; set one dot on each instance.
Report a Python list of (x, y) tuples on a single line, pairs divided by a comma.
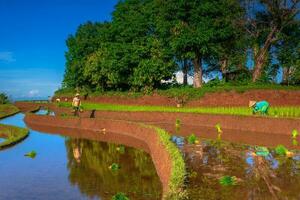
[(7, 56), (33, 93)]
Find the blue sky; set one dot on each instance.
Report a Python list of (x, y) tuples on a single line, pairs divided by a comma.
[(32, 41)]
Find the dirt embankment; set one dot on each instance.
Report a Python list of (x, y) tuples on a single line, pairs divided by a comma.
[(252, 130), (282, 126), (274, 97), (129, 133), (248, 130), (29, 106)]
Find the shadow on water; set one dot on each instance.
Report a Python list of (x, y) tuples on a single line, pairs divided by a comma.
[(73, 168)]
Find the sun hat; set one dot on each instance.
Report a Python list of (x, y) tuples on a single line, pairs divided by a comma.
[(252, 103), (77, 94)]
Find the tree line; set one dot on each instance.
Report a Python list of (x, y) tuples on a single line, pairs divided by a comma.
[(147, 41)]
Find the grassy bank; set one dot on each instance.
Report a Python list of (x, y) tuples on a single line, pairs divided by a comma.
[(7, 110), (244, 111), (186, 92), (178, 170), (12, 135)]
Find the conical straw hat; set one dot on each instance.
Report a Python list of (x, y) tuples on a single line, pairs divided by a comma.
[(252, 103)]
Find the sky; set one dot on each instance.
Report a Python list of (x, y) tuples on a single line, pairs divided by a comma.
[(32, 41)]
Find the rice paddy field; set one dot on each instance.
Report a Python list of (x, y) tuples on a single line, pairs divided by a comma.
[(286, 111)]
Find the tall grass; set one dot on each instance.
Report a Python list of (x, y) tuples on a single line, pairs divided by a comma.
[(293, 112)]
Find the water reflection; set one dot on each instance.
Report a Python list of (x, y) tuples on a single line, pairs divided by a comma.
[(258, 177), (67, 168), (45, 112), (88, 164), (2, 139)]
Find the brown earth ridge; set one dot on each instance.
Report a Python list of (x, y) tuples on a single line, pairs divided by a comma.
[(253, 130), (127, 133), (231, 98), (125, 128)]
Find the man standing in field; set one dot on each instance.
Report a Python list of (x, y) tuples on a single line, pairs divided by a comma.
[(76, 103), (259, 107)]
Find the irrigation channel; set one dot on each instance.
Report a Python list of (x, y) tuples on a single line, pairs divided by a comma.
[(73, 168)]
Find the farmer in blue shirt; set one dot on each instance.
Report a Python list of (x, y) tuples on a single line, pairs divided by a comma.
[(261, 107)]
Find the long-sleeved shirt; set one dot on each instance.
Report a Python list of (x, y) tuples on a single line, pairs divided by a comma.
[(261, 106)]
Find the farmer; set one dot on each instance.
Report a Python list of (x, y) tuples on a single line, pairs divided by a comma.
[(259, 107), (76, 104)]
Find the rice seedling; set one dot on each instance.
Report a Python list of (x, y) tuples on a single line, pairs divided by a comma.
[(281, 150), (295, 134), (31, 154), (192, 139), (114, 167), (121, 149), (295, 142), (244, 111), (228, 180), (120, 196), (218, 127), (177, 123)]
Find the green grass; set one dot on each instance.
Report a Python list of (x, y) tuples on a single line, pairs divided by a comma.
[(12, 135), (293, 112), (178, 170), (7, 110)]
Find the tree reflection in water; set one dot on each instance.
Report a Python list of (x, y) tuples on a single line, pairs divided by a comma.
[(270, 177), (88, 164)]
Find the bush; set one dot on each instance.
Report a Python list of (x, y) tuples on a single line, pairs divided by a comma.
[(3, 98)]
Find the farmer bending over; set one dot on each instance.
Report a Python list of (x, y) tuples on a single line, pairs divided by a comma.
[(259, 107), (76, 104)]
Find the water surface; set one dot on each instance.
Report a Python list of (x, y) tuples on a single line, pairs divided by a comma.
[(73, 168), (257, 177)]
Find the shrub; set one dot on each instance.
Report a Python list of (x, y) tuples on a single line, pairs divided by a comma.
[(3, 98)]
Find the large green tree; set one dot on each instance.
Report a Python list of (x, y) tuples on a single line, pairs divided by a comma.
[(265, 22), (198, 28), (149, 57), (147, 41), (288, 53), (87, 40)]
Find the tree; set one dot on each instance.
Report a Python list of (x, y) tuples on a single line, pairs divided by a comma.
[(3, 98), (87, 40), (198, 28), (288, 53), (265, 22), (149, 59)]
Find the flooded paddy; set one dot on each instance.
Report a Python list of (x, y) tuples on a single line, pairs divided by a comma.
[(73, 168), (221, 170)]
